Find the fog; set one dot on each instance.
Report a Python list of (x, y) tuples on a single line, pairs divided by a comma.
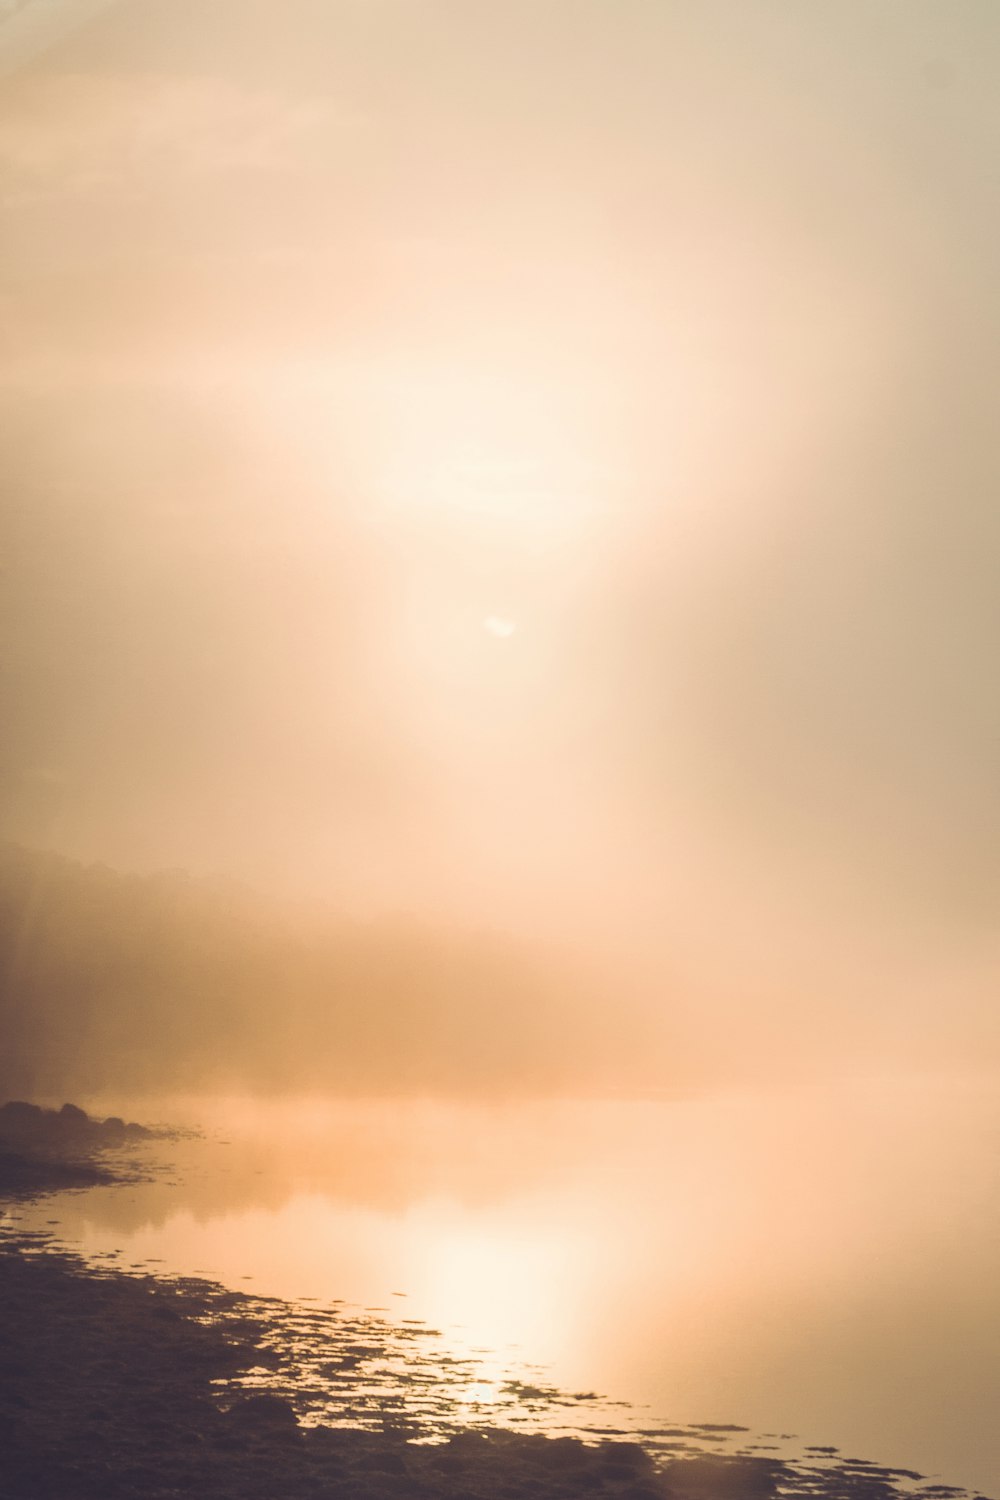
[(500, 587)]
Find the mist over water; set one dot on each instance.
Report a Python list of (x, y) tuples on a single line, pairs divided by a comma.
[(814, 1263), (500, 612)]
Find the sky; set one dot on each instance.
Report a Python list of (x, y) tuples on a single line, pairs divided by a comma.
[(530, 467)]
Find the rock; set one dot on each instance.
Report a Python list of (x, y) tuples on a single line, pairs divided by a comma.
[(17, 1111), (269, 1415), (559, 1455), (723, 1478), (624, 1460)]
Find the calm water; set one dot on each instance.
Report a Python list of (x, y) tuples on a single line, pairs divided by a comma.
[(819, 1263)]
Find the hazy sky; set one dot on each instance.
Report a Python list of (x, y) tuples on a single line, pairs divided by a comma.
[(528, 465)]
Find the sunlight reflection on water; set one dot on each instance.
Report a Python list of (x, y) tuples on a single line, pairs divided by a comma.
[(818, 1264)]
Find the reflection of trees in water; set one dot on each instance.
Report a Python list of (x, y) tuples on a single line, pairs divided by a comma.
[(379, 1155)]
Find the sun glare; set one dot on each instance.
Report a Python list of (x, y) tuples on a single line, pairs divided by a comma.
[(495, 452), (502, 628)]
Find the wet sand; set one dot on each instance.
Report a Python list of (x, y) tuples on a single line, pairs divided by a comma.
[(119, 1385)]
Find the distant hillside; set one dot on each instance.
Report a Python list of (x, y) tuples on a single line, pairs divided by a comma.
[(116, 982)]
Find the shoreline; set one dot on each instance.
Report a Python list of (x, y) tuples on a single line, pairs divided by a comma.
[(119, 1385), (128, 1386)]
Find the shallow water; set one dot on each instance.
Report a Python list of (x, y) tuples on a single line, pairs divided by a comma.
[(820, 1263)]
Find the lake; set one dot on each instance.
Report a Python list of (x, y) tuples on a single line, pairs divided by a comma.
[(819, 1262)]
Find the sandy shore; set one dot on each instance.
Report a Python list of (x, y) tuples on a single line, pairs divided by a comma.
[(125, 1387)]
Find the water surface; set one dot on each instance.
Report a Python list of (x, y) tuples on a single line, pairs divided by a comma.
[(819, 1263)]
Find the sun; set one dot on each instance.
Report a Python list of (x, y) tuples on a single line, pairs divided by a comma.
[(499, 626)]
